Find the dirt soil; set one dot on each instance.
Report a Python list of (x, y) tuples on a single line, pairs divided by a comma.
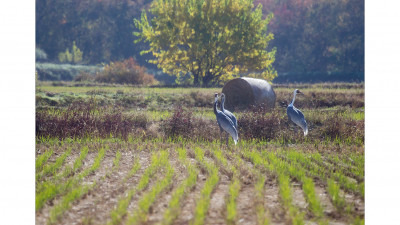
[(95, 206)]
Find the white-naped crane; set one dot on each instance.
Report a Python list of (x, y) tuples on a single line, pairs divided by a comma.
[(295, 115), (225, 123), (226, 112)]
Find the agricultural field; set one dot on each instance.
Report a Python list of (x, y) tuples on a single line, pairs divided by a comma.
[(133, 155)]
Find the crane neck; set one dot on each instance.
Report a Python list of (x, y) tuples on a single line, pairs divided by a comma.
[(294, 98), (223, 103), (215, 105)]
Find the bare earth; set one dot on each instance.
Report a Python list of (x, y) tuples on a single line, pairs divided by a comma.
[(95, 206)]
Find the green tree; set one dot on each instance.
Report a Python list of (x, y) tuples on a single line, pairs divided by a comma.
[(77, 53), (210, 41), (75, 56)]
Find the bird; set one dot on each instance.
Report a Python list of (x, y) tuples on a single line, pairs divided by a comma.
[(296, 115), (225, 123), (226, 112)]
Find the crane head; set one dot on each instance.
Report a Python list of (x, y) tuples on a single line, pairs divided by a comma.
[(216, 97), (299, 92)]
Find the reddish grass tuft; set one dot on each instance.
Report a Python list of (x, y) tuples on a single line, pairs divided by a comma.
[(179, 124), (257, 124), (86, 118)]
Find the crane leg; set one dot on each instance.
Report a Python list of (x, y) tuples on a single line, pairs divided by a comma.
[(220, 137), (290, 124), (227, 139)]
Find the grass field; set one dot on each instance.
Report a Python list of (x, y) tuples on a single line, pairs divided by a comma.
[(130, 155)]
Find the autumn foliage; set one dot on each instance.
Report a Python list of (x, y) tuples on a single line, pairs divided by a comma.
[(125, 72), (212, 41)]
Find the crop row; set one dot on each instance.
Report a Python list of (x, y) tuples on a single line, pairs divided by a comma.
[(59, 185)]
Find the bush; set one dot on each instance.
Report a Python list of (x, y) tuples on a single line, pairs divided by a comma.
[(84, 76), (183, 124), (82, 118), (257, 124), (74, 57), (336, 126), (200, 99), (179, 124), (205, 129), (125, 72)]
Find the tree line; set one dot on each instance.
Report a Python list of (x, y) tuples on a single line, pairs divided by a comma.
[(314, 39)]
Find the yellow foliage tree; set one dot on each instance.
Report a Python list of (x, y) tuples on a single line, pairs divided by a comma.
[(211, 40), (75, 56), (77, 53)]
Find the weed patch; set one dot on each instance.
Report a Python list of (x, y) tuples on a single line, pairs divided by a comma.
[(83, 119)]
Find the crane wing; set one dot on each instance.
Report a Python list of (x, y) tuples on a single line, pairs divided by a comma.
[(297, 117), (227, 125), (231, 116)]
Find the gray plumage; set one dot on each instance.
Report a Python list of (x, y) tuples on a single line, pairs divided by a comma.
[(295, 115), (224, 122), (226, 112)]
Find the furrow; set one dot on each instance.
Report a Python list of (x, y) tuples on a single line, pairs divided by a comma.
[(97, 204), (47, 191), (87, 181), (189, 203), (156, 213), (203, 203), (134, 185), (140, 214), (272, 203), (245, 205), (217, 209)]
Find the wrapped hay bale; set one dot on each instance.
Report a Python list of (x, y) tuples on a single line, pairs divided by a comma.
[(245, 91)]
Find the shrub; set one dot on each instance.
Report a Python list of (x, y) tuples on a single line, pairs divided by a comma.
[(336, 126), (200, 99), (257, 124), (179, 124), (125, 72), (82, 118), (75, 56), (140, 120), (205, 129), (84, 76)]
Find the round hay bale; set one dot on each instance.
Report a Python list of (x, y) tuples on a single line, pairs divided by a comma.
[(242, 92)]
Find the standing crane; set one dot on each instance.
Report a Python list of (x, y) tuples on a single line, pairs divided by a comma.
[(296, 115), (226, 112), (225, 123)]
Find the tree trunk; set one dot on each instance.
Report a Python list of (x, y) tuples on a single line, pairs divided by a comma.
[(207, 78), (195, 79)]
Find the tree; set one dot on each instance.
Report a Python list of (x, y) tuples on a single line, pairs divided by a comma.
[(102, 29), (318, 39), (75, 56), (210, 41)]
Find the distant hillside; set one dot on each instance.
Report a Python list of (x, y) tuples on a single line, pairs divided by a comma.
[(315, 39)]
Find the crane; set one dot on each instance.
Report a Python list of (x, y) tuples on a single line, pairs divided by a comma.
[(225, 123), (296, 115), (226, 112)]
